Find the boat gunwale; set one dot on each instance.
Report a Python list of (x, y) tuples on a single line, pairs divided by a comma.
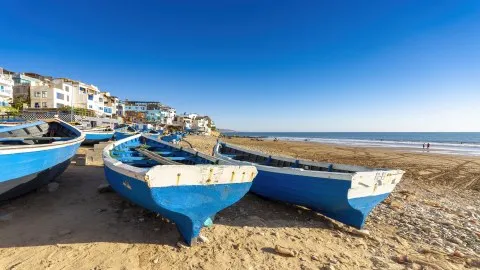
[(13, 149)]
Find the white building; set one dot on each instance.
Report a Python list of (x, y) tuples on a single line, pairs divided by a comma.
[(201, 124), (110, 104), (6, 88), (50, 96), (88, 96)]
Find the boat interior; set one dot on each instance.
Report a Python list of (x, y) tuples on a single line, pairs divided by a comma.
[(38, 132), (284, 162), (144, 152)]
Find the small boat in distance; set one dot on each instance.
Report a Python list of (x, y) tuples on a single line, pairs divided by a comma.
[(123, 132), (96, 135), (342, 192), (180, 184), (34, 153)]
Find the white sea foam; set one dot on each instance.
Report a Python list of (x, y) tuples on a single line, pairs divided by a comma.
[(468, 149)]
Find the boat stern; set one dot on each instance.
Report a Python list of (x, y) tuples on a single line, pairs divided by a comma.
[(191, 195), (368, 189)]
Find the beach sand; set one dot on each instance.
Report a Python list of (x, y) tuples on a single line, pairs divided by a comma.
[(430, 221)]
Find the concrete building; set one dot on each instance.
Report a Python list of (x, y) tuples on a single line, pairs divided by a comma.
[(6, 88), (22, 84), (110, 104)]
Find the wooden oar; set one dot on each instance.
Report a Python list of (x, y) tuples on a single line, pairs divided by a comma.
[(156, 157)]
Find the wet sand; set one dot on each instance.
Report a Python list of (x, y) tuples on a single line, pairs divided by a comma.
[(430, 221)]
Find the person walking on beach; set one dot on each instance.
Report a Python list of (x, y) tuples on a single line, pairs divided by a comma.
[(423, 146), (428, 146)]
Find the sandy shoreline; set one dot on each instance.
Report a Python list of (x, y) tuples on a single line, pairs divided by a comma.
[(431, 220)]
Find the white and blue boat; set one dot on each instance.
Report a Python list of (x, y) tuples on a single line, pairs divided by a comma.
[(96, 135), (180, 184), (124, 132), (34, 153), (342, 192)]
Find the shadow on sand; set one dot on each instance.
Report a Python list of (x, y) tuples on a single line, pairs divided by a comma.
[(77, 213)]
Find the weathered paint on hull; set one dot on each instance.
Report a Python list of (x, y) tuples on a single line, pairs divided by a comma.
[(188, 206), (324, 195), (31, 182), (93, 138)]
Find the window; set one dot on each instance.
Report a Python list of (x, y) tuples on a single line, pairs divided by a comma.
[(100, 108), (90, 97), (60, 96), (36, 94), (100, 99), (44, 94), (68, 98), (59, 105), (37, 105), (44, 104), (90, 106), (1, 87), (67, 89)]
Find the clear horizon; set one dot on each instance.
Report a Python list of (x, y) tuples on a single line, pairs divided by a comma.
[(258, 66)]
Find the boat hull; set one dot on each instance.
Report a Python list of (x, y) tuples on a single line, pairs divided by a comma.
[(96, 137), (24, 170), (23, 185), (325, 195), (188, 193), (122, 135), (188, 206), (347, 196)]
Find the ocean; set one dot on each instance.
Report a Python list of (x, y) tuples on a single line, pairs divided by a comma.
[(459, 143)]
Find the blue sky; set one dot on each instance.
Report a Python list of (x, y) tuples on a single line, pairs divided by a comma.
[(265, 65)]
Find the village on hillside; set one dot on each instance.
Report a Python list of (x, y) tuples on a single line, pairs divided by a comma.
[(33, 96)]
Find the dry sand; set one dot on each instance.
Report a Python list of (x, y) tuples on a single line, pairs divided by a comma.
[(430, 221)]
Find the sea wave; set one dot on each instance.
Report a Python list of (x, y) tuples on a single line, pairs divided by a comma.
[(470, 149)]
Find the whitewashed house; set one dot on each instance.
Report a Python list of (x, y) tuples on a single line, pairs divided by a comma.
[(6, 88), (201, 124)]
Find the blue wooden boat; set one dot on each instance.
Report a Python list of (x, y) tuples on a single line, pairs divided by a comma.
[(34, 153), (96, 135), (124, 132), (342, 192), (181, 184)]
